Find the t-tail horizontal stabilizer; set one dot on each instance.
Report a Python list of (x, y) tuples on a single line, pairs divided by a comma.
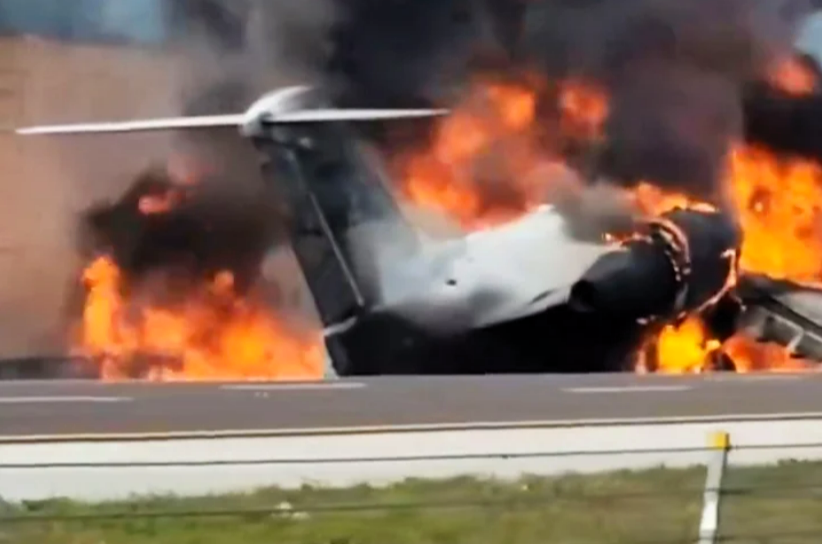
[(170, 123), (324, 115)]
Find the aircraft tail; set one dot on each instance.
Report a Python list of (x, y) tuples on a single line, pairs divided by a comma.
[(343, 218)]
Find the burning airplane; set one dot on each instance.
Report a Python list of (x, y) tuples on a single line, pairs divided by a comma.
[(523, 295), (574, 245)]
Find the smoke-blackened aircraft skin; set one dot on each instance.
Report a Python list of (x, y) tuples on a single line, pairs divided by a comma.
[(526, 296)]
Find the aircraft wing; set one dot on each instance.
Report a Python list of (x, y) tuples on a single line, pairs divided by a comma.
[(783, 312), (323, 115)]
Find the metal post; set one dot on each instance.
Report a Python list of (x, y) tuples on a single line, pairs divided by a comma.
[(719, 444)]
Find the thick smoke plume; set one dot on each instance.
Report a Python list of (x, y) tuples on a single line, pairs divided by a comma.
[(676, 71), (194, 232), (234, 51), (406, 52), (220, 216), (677, 74)]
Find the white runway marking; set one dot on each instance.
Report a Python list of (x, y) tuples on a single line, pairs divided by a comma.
[(628, 389), (49, 400), (293, 386)]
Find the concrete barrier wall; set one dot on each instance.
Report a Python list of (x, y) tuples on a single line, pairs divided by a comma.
[(112, 469)]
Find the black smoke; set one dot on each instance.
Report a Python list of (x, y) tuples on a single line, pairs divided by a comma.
[(684, 76), (680, 73), (786, 123), (413, 52), (365, 52), (208, 227), (676, 73)]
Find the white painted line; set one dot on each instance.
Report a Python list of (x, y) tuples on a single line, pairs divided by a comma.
[(293, 386), (628, 389), (51, 400), (51, 383)]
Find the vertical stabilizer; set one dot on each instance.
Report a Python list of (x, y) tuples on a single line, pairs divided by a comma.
[(343, 219)]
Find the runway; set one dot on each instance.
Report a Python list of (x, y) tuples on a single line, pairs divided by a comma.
[(68, 408)]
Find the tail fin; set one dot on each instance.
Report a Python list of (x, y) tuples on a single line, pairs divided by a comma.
[(341, 211)]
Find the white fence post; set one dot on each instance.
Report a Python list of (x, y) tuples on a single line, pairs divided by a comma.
[(719, 444)]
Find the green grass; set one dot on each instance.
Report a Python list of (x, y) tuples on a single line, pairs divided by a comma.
[(656, 506)]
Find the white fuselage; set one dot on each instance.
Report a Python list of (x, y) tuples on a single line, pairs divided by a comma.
[(489, 276)]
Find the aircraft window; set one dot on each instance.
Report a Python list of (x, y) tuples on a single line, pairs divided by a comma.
[(139, 22)]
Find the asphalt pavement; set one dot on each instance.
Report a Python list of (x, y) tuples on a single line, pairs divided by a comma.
[(88, 407)]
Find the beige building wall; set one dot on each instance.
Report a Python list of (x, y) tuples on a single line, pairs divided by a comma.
[(47, 180)]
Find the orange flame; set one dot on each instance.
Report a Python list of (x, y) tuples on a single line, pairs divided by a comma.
[(685, 348), (783, 228), (212, 335), (444, 179), (779, 201), (750, 356), (162, 203), (165, 200), (492, 137), (652, 200), (583, 110), (792, 77)]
